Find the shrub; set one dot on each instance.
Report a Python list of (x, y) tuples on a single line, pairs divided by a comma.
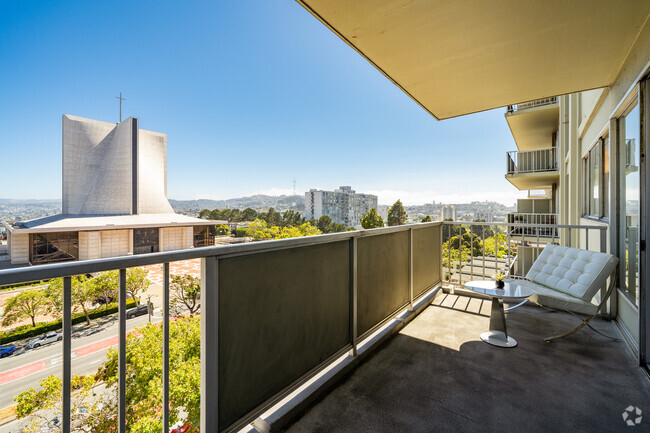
[(241, 233), (27, 331)]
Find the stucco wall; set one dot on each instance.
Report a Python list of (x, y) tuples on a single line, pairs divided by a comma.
[(90, 244), (19, 248), (176, 238), (115, 243)]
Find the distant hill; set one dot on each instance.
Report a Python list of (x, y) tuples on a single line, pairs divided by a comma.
[(258, 202), (30, 202)]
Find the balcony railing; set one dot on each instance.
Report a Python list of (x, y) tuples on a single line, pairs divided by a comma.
[(273, 314), (276, 313), (531, 161), (539, 224), (480, 250), (536, 103)]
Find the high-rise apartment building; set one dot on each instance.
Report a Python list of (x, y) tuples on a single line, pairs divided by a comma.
[(343, 205), (449, 211)]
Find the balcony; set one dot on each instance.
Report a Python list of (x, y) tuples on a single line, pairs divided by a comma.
[(283, 321), (532, 169), (535, 224), (533, 124)]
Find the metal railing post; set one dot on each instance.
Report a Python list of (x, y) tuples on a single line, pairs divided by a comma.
[(353, 295), (121, 427), (66, 388), (165, 357), (209, 344), (603, 241), (411, 269)]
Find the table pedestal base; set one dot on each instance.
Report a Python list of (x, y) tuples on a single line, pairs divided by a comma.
[(498, 338), (498, 333)]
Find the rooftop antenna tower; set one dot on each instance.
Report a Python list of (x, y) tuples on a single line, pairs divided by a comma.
[(121, 99), (294, 186)]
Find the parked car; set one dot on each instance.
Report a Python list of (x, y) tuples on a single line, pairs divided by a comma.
[(7, 350), (101, 299), (140, 310), (50, 337)]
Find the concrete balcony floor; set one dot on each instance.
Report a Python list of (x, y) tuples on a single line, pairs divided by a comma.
[(436, 375)]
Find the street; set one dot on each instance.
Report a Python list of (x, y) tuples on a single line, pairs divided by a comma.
[(26, 367)]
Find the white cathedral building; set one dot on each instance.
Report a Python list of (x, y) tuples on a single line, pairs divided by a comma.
[(114, 200)]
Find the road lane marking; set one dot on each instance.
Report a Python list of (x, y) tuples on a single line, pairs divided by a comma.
[(20, 372), (96, 347)]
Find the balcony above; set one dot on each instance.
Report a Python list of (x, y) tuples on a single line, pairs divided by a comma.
[(532, 124), (533, 169), (455, 58)]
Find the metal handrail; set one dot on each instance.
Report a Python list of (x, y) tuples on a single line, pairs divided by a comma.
[(532, 104), (528, 161), (56, 270)]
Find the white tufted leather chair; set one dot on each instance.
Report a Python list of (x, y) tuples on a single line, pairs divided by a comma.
[(567, 279)]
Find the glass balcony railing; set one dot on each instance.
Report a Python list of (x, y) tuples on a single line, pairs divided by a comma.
[(531, 161)]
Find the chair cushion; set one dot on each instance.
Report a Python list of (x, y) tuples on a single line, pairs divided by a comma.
[(575, 272), (560, 301)]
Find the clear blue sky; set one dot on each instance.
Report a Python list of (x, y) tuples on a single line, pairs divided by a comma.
[(251, 94)]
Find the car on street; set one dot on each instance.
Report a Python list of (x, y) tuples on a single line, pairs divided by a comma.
[(7, 350), (140, 310), (48, 338)]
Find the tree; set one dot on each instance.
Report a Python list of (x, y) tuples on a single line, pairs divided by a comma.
[(83, 290), (397, 215), (324, 223), (205, 214), (144, 368), (480, 229), (105, 286), (426, 219), (40, 405), (143, 378), (249, 214), (25, 304), (291, 218), (186, 292), (372, 220), (273, 218), (223, 230)]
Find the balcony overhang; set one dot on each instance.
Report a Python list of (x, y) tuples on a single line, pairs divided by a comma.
[(459, 57), (534, 180), (532, 128)]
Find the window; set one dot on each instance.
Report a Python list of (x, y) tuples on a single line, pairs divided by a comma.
[(54, 247), (145, 241), (596, 175), (629, 126), (204, 236)]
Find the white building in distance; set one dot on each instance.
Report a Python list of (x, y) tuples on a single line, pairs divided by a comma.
[(486, 215), (449, 211), (343, 205), (114, 200)]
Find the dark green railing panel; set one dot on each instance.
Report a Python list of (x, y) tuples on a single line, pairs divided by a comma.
[(281, 314), (426, 259), (383, 273)]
